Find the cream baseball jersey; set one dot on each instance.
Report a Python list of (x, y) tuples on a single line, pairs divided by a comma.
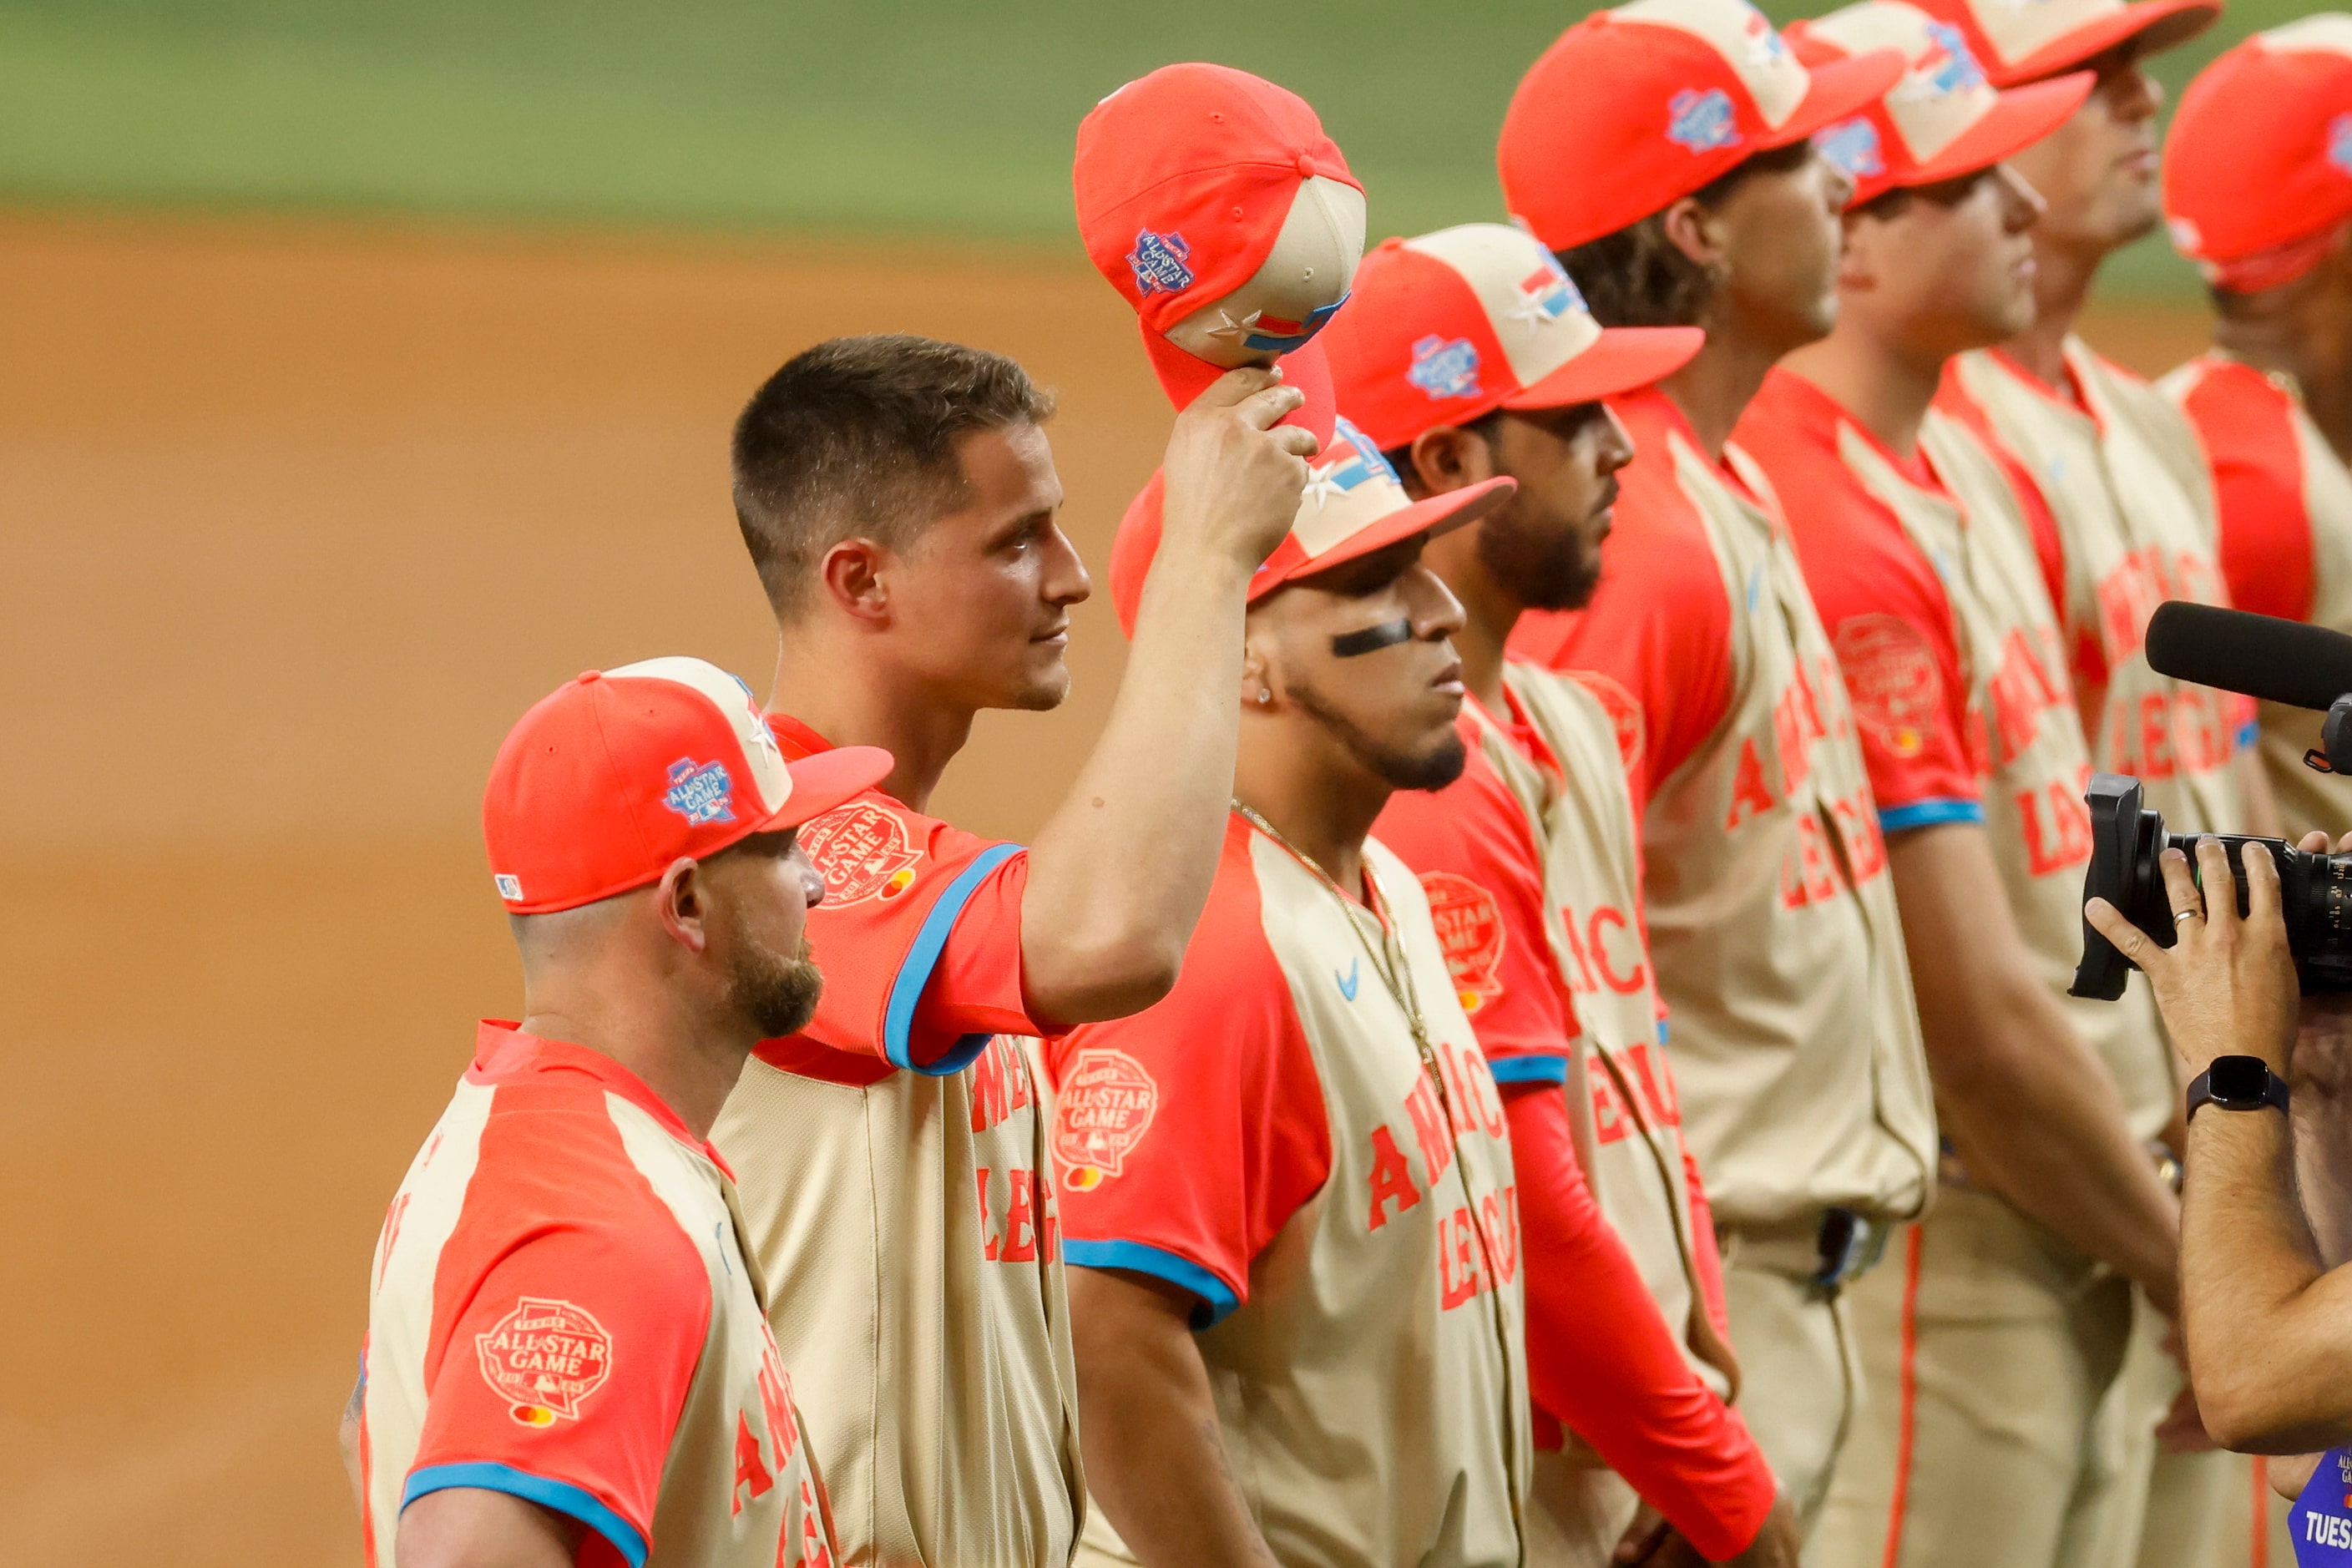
[(1270, 1139), (1925, 573), (2285, 503), (1771, 919), (564, 1311), (894, 1182), (2123, 476)]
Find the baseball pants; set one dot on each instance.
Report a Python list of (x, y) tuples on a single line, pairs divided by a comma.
[(1799, 1383), (1993, 1354)]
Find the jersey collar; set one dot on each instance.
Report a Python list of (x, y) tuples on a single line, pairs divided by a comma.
[(504, 1054)]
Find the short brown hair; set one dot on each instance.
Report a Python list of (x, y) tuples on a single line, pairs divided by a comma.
[(1637, 276), (856, 438)]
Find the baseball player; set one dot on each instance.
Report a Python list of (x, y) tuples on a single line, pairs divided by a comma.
[(567, 1353), (2258, 187), (898, 497), (2121, 474), (1993, 1350), (1663, 151), (1467, 355), (1288, 1191)]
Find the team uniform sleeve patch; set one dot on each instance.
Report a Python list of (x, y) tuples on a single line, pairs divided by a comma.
[(1186, 1136), (918, 936), (570, 1313)]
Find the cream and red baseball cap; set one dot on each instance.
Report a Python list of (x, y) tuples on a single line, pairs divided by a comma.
[(1448, 327), (1632, 109), (1354, 504), (1218, 208), (619, 772), (2020, 41), (2258, 174), (1944, 118)]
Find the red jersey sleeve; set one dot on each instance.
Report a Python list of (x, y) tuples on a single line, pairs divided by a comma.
[(1475, 852), (1888, 618), (569, 1315), (1189, 1133), (1658, 629), (1602, 1361), (2248, 429)]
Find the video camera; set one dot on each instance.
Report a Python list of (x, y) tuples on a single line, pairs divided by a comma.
[(2262, 656)]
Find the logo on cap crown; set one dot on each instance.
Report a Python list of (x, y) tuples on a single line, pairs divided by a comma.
[(1159, 260), (1853, 149), (1444, 367), (1702, 121), (1949, 66), (702, 793), (1355, 460)]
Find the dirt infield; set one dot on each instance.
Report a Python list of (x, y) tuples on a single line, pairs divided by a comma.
[(297, 521)]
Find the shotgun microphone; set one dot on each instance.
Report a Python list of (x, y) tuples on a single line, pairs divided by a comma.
[(2277, 660)]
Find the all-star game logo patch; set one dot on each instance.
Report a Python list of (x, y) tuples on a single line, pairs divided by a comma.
[(1624, 712), (1469, 921), (1892, 681), (862, 851), (544, 1359), (1160, 263), (702, 792), (1105, 1106)]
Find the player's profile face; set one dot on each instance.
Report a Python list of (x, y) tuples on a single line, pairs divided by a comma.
[(1545, 542), (1946, 268), (1391, 708), (2098, 171), (981, 601), (1780, 228), (762, 889)]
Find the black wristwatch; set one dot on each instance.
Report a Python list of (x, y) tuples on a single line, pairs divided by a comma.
[(2237, 1083)]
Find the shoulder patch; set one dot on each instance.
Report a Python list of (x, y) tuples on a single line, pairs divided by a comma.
[(545, 1358), (1101, 1112), (862, 851), (1469, 921), (1892, 678), (1624, 712)]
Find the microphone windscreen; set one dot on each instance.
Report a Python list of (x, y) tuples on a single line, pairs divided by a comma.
[(2261, 656)]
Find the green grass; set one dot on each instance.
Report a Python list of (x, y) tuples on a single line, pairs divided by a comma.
[(895, 116)]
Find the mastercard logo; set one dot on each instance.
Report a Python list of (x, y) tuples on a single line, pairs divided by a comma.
[(533, 1415), (898, 881), (1471, 1001), (1083, 1178)]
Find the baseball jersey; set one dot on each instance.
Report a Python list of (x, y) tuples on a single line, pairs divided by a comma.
[(1270, 1139), (1611, 1286), (1925, 573), (2285, 503), (1773, 933), (2123, 477), (892, 1165), (564, 1309)]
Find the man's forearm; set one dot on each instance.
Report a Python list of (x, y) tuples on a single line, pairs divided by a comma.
[(1119, 874), (1154, 1453)]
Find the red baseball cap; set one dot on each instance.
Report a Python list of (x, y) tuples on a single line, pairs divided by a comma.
[(1633, 109), (1354, 504), (2022, 43), (603, 784), (1218, 208), (1452, 325), (1944, 118), (2258, 178)]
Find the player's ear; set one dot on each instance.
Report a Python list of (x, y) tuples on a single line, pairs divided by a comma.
[(1690, 228), (1257, 668), (853, 575), (1446, 458), (683, 899)]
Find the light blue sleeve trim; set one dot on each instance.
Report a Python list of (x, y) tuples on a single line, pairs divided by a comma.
[(922, 957), (2250, 734), (1662, 1031), (1529, 1070), (1932, 812), (1139, 1258), (556, 1497)]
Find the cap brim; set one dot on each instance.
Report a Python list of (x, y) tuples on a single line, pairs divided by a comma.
[(2020, 118), (1840, 90), (1622, 359), (826, 779), (2158, 24), (1438, 515)]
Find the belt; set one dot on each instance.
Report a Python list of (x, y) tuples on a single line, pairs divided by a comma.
[(1830, 1250)]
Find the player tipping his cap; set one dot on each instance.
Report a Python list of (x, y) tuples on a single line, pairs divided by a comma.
[(899, 499), (568, 1352), (1288, 1196), (1467, 355), (1663, 151), (2258, 189), (2008, 1316)]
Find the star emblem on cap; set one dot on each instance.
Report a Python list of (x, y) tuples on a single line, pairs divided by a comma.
[(1319, 485)]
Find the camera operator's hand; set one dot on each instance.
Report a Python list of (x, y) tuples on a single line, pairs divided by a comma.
[(2227, 986)]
